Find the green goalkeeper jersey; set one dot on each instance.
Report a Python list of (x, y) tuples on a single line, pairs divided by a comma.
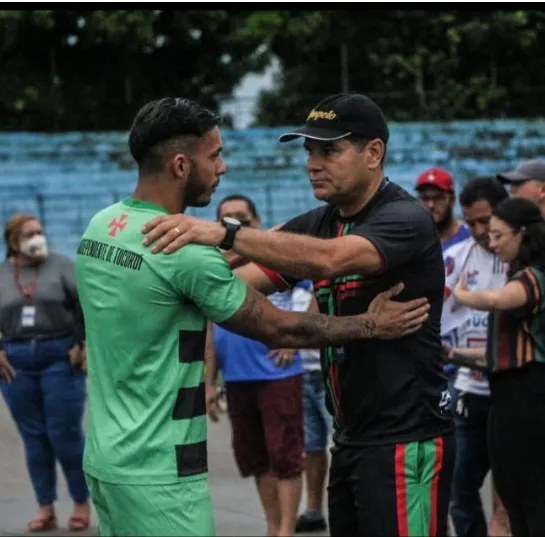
[(145, 318)]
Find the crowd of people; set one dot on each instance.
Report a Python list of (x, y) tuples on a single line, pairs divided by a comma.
[(410, 341)]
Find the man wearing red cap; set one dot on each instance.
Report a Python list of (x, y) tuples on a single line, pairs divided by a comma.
[(435, 189)]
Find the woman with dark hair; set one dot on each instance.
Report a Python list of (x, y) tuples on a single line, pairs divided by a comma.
[(41, 362), (515, 357)]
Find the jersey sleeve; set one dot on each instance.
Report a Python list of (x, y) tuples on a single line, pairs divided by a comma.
[(204, 277), (533, 282), (400, 232)]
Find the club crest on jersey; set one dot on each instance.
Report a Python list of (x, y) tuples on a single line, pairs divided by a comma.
[(471, 277), (449, 265)]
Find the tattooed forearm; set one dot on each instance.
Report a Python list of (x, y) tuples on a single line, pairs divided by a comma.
[(259, 319), (247, 320), (315, 329)]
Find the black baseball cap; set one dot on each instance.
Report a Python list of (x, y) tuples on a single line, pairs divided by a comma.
[(531, 169), (340, 116)]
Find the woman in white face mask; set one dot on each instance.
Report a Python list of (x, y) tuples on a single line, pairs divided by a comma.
[(42, 366)]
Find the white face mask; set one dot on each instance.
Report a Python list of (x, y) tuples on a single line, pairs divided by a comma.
[(35, 247)]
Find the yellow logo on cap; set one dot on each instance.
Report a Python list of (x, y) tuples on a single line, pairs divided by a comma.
[(318, 114)]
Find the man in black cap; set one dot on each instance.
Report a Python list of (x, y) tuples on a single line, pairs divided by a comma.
[(393, 451), (527, 180)]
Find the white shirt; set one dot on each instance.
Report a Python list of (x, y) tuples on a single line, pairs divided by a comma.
[(465, 327), (301, 301)]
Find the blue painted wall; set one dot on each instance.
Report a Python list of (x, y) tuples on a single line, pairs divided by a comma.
[(66, 178)]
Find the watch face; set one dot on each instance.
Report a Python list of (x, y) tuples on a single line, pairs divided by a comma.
[(232, 221)]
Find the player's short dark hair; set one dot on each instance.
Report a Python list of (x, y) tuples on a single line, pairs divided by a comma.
[(160, 126), (238, 197), (483, 188)]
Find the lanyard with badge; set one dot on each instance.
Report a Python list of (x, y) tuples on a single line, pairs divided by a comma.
[(28, 314)]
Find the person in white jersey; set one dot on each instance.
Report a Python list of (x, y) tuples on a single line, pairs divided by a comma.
[(318, 426), (473, 260)]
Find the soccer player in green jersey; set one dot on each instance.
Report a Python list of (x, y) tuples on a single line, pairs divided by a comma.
[(145, 454)]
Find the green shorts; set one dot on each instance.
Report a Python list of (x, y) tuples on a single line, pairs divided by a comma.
[(179, 509)]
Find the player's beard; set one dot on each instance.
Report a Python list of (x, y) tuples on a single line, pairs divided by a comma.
[(194, 189)]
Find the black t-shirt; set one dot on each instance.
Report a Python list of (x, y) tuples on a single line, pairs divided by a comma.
[(385, 391)]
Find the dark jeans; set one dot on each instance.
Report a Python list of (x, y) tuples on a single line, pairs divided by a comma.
[(46, 401), (471, 466)]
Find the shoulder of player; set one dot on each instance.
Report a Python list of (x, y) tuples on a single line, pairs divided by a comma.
[(102, 218), (194, 255), (122, 211), (126, 219), (191, 261)]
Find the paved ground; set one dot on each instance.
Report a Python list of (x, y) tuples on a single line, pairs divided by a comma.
[(237, 508)]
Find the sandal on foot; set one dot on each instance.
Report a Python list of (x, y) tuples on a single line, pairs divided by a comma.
[(43, 524), (78, 522)]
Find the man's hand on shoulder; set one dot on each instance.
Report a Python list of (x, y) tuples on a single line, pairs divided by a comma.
[(170, 232), (397, 319)]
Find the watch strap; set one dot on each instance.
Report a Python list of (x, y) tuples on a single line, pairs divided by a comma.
[(229, 238)]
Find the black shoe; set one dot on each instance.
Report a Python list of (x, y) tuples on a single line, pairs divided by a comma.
[(307, 524)]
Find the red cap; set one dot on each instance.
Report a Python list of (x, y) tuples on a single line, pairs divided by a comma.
[(436, 177)]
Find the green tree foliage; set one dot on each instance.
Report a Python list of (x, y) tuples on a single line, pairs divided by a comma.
[(72, 70), (75, 70), (417, 64)]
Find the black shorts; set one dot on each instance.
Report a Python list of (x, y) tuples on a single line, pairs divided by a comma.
[(390, 490)]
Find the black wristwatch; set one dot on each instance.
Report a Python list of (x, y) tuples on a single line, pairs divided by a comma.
[(232, 225)]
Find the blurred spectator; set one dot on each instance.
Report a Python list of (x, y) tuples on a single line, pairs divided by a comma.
[(264, 401), (435, 189), (527, 181), (475, 261), (516, 362), (318, 425), (41, 362)]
